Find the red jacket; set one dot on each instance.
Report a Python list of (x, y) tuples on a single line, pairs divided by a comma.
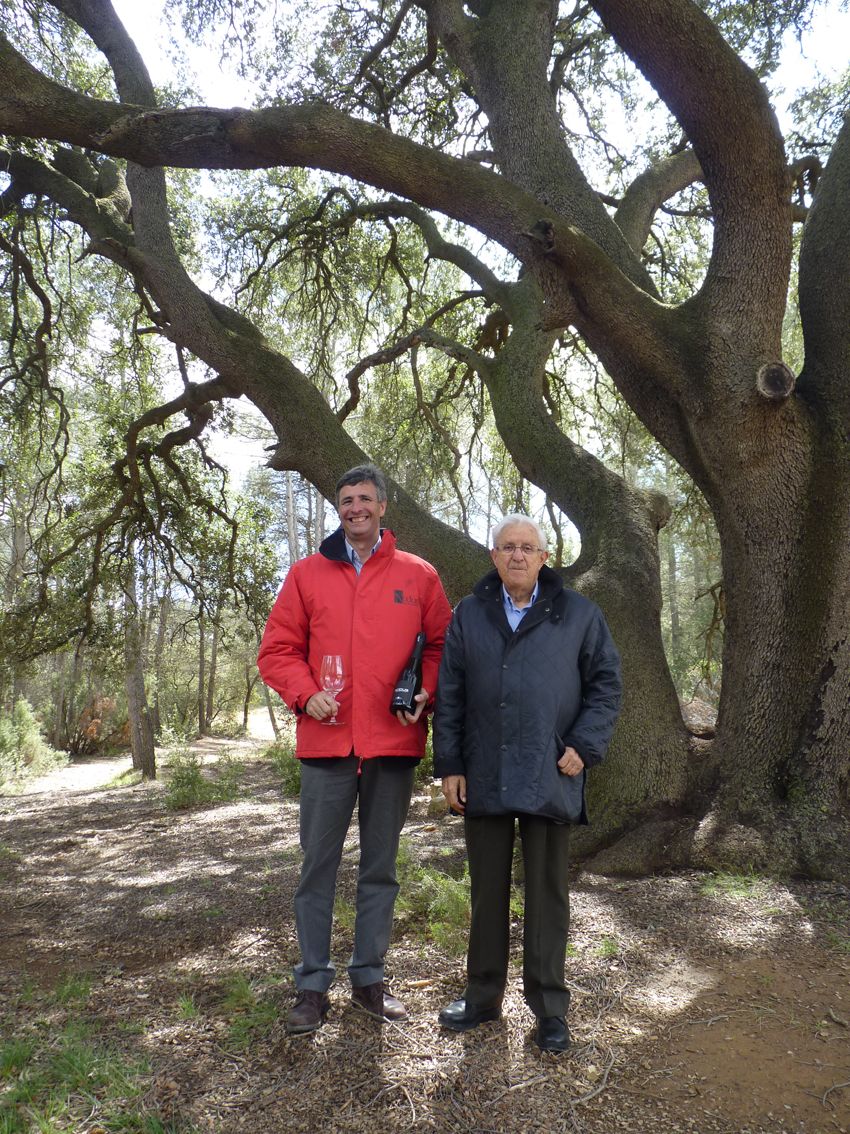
[(371, 619)]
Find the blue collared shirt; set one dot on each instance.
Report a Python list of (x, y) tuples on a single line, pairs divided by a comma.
[(355, 558), (515, 614)]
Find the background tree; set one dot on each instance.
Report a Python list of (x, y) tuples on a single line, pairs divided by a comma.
[(695, 351)]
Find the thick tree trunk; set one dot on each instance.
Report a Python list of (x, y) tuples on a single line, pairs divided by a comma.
[(672, 579), (773, 791), (783, 800)]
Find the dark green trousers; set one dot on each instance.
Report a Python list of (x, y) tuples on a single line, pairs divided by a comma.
[(546, 921)]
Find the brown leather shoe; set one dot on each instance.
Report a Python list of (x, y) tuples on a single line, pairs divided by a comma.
[(308, 1012), (376, 1001)]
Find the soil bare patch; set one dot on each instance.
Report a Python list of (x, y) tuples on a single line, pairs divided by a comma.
[(699, 1004)]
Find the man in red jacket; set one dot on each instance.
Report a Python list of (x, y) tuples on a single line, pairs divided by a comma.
[(364, 600)]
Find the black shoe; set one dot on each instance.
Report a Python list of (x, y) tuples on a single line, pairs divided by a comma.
[(461, 1017), (308, 1012), (552, 1034)]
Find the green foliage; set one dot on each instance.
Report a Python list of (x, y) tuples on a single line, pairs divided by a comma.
[(187, 1009), (251, 1011), (129, 778), (23, 752), (425, 767), (731, 885), (433, 902), (345, 913), (59, 1081), (15, 1055), (227, 727), (608, 947), (838, 941), (189, 787), (229, 778), (282, 757), (75, 988), (9, 860)]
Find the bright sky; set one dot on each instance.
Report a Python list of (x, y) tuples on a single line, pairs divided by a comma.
[(150, 32), (824, 48)]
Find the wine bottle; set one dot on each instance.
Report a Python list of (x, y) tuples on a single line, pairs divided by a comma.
[(409, 680)]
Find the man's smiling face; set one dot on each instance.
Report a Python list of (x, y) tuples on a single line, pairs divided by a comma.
[(360, 513)]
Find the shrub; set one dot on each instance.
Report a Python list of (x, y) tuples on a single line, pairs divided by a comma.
[(189, 787), (228, 726), (287, 765), (173, 736), (23, 751), (425, 767), (228, 782), (435, 901)]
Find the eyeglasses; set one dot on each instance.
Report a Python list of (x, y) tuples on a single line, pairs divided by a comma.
[(525, 549)]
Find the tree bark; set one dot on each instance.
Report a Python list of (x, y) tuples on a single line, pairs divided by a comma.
[(672, 581), (272, 715), (251, 678), (138, 715), (291, 518), (202, 672), (211, 670), (164, 610), (774, 469)]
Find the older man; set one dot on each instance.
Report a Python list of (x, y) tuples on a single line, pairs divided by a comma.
[(363, 599), (528, 695)]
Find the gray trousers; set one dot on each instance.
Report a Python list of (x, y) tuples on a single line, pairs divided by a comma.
[(546, 918), (329, 790)]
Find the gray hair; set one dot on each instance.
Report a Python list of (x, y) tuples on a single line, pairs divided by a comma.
[(517, 518), (364, 474)]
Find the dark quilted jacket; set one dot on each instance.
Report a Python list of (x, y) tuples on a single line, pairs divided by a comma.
[(509, 703)]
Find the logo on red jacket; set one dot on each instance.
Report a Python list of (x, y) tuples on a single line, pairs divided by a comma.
[(407, 600)]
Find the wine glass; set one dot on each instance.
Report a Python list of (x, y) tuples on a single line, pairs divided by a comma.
[(332, 678)]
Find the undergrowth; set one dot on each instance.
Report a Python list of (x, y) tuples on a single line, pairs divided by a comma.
[(188, 786), (69, 1079), (433, 902), (281, 755), (24, 753), (250, 1011)]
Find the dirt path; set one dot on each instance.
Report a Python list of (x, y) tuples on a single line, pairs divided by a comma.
[(88, 774), (699, 1005)]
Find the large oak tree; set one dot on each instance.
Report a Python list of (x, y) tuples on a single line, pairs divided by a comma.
[(767, 447)]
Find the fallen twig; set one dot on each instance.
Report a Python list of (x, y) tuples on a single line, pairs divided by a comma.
[(834, 1087)]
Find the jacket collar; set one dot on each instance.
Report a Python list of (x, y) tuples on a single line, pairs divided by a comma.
[(333, 547), (548, 604), (549, 583)]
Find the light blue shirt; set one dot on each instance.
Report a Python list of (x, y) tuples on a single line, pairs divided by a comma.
[(355, 558), (515, 614)]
